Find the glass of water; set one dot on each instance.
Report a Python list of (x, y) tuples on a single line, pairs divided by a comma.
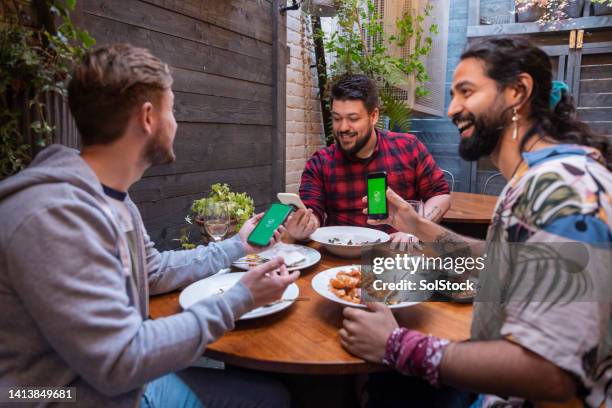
[(418, 206), (216, 219)]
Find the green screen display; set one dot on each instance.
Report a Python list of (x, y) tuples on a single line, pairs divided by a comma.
[(377, 199), (272, 219)]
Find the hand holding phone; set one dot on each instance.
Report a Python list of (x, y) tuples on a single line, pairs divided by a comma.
[(291, 199), (377, 195), (272, 219)]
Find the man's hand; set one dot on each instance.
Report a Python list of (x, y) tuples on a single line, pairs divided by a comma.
[(249, 226), (268, 281), (364, 333), (301, 224), (401, 214)]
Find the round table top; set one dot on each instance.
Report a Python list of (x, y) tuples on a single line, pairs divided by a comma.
[(469, 208), (304, 337)]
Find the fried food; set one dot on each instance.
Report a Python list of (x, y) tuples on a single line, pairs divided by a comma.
[(346, 285)]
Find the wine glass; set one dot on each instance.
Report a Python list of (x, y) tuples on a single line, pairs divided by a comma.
[(216, 219)]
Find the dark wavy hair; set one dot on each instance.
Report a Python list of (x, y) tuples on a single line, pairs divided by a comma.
[(355, 87), (505, 59)]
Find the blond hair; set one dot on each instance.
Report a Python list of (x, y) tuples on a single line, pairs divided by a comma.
[(109, 84)]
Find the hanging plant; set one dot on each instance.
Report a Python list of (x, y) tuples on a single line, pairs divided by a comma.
[(34, 62)]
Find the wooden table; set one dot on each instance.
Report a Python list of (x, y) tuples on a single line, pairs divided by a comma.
[(303, 339), (470, 208), (470, 214)]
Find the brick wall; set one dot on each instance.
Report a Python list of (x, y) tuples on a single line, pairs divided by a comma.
[(305, 133)]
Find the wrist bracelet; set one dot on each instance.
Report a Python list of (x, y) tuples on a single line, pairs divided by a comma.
[(414, 353)]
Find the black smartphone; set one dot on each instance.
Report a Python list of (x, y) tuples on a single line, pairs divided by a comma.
[(377, 195), (272, 219)]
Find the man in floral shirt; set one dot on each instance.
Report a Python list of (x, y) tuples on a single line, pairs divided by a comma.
[(547, 336)]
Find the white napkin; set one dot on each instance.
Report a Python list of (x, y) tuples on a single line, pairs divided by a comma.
[(292, 258)]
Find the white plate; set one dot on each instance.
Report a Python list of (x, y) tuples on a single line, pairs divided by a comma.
[(217, 284), (312, 256), (346, 234), (320, 283)]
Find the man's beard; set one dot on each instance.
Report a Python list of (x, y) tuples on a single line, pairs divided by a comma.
[(155, 152), (488, 130), (359, 144)]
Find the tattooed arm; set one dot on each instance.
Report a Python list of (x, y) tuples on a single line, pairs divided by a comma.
[(447, 242), (405, 219), (436, 207)]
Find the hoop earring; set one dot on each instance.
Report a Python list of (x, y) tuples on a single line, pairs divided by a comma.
[(515, 118)]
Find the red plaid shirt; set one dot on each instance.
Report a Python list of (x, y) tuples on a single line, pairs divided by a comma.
[(333, 185)]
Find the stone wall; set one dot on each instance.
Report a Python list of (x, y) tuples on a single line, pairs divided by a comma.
[(305, 134)]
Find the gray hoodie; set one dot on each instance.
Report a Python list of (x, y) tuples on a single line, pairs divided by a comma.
[(71, 314)]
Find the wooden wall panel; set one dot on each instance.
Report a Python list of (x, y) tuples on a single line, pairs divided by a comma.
[(191, 107), (207, 146), (240, 16), (153, 18), (179, 52), (226, 85), (186, 80), (595, 99)]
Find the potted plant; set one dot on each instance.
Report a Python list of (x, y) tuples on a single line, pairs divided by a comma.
[(547, 11), (601, 7), (240, 207)]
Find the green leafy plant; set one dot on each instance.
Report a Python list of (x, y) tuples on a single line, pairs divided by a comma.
[(33, 63), (241, 206), (360, 45)]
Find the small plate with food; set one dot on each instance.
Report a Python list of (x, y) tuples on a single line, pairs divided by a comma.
[(295, 256), (343, 285)]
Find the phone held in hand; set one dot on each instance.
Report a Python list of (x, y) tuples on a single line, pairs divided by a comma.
[(291, 199), (377, 195), (272, 219)]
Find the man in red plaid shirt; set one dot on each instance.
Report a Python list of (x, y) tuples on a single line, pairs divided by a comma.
[(334, 180)]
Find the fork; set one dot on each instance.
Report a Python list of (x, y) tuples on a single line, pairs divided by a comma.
[(286, 300), (254, 262)]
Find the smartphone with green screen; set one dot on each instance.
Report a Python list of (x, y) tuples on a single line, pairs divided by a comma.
[(272, 219), (377, 195)]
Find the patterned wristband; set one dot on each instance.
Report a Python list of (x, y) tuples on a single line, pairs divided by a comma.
[(413, 353), (392, 347)]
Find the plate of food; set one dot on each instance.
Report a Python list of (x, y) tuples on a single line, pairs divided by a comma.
[(346, 241), (216, 285), (343, 285), (295, 256)]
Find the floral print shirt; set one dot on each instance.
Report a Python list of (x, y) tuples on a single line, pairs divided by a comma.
[(560, 196)]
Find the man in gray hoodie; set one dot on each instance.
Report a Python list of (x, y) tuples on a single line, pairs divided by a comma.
[(77, 265)]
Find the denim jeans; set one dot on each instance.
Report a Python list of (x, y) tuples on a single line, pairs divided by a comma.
[(169, 391), (211, 388)]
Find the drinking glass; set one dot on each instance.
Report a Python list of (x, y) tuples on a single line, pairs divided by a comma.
[(216, 219), (413, 241), (418, 206)]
